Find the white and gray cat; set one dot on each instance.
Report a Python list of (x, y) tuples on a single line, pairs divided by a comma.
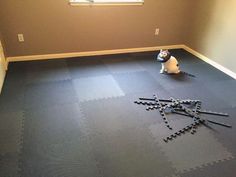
[(169, 64)]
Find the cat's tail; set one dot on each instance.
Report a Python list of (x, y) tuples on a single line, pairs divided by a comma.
[(185, 73)]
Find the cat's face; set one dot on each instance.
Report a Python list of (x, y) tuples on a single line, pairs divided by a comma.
[(164, 53)]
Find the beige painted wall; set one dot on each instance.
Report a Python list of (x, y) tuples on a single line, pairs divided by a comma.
[(213, 31), (51, 26), (55, 27)]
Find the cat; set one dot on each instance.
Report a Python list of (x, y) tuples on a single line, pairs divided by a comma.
[(169, 63)]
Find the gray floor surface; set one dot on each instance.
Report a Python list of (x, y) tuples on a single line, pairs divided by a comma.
[(77, 118)]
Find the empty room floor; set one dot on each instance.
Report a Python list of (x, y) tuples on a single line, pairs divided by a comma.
[(77, 118)]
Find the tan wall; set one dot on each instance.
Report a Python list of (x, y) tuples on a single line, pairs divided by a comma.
[(213, 31), (51, 26)]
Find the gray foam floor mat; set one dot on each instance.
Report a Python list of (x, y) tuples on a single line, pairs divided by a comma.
[(9, 165), (216, 169), (99, 87), (121, 140), (86, 67), (225, 135), (149, 63), (47, 71), (16, 74), (56, 144), (225, 90), (207, 73), (77, 117), (11, 129), (189, 152), (13, 91), (120, 113), (129, 153), (143, 55), (184, 58), (136, 82), (47, 94), (200, 92), (179, 81), (122, 65), (12, 99)]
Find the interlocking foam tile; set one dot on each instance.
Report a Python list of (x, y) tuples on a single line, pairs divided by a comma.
[(56, 144), (86, 67), (203, 71), (99, 87), (51, 93), (12, 95), (179, 81), (12, 98), (206, 73), (184, 58), (199, 92), (225, 169), (16, 73), (136, 82), (47, 71), (224, 90), (175, 176), (9, 165), (123, 112), (160, 93), (225, 135), (188, 152), (143, 55), (149, 63), (11, 127), (122, 64), (113, 114), (121, 140), (130, 152)]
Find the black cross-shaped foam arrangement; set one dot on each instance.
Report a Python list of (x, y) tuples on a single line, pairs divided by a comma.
[(188, 107)]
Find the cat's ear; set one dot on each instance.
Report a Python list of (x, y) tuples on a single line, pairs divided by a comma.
[(161, 50)]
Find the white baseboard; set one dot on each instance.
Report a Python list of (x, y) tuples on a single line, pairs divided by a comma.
[(211, 62), (90, 53)]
